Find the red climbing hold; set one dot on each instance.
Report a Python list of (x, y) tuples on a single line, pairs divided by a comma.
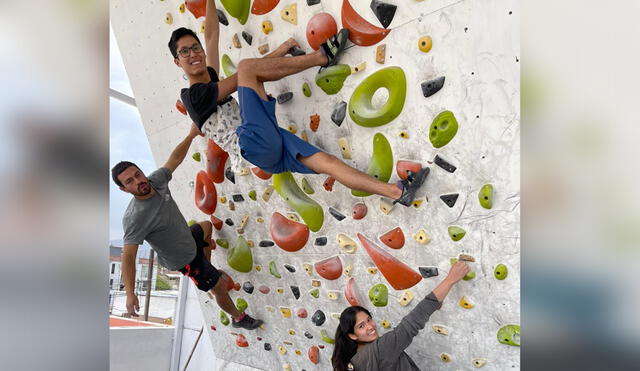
[(351, 293), (394, 238), (403, 166), (205, 193), (361, 32), (241, 341), (197, 7), (314, 123), (213, 327), (328, 183), (217, 223), (330, 268), (320, 28), (288, 235), (181, 107), (314, 354), (260, 173), (261, 7), (302, 313), (216, 158), (359, 211), (399, 275)]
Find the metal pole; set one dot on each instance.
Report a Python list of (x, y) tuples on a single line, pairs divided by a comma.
[(193, 349), (149, 278)]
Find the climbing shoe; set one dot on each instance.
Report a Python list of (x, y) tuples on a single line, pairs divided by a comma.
[(333, 47), (411, 186), (247, 322)]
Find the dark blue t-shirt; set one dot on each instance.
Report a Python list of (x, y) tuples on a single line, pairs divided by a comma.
[(201, 99)]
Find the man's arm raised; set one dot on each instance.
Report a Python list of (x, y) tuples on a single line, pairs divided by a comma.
[(179, 153), (212, 36)]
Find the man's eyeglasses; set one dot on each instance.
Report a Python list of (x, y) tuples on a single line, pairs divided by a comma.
[(184, 52)]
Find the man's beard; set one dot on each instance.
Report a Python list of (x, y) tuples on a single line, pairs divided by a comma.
[(141, 193)]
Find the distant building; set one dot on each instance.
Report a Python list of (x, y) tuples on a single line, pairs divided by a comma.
[(116, 282)]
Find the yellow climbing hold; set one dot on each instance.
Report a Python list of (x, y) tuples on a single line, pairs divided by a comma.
[(202, 27), (332, 295), (425, 43), (465, 303), (282, 350), (347, 244), (385, 323), (267, 27), (372, 270), (417, 203), (290, 13), (359, 67), (292, 128), (308, 268), (181, 8), (445, 357), (422, 237), (347, 270), (406, 298), (440, 329), (223, 199), (168, 18), (286, 312), (385, 205), (258, 268), (404, 135), (380, 53), (345, 148)]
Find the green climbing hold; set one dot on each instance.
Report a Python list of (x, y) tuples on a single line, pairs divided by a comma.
[(273, 270), (238, 9), (485, 196), (239, 257), (191, 222), (224, 319), (315, 293), (469, 276), (381, 164), (252, 194), (509, 335), (325, 337), (241, 304), (501, 272), (310, 211), (227, 65), (443, 128), (222, 242), (361, 108), (331, 79), (456, 233), (306, 187), (196, 156), (379, 295), (306, 90)]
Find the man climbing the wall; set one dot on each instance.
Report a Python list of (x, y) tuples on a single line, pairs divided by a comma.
[(253, 129), (153, 215)]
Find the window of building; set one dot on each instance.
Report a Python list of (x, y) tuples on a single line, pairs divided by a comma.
[(113, 268)]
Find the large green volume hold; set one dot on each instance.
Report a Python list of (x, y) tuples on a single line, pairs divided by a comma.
[(238, 9), (331, 79), (381, 164), (443, 128), (310, 211), (379, 295), (361, 108), (240, 257)]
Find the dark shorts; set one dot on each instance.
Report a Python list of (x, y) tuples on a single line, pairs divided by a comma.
[(263, 142), (200, 270)]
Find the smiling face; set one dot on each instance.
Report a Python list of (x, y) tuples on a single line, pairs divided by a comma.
[(364, 331), (195, 62), (134, 181)]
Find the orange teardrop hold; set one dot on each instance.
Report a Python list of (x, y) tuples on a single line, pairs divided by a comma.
[(350, 292), (330, 268), (288, 235), (361, 32), (206, 197), (314, 355), (216, 159), (217, 223), (261, 7), (398, 274), (403, 166), (394, 238), (260, 173), (197, 7), (320, 27), (241, 341), (181, 107)]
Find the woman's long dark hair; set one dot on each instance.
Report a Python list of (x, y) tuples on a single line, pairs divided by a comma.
[(345, 348)]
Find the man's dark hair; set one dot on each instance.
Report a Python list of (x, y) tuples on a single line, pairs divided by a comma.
[(177, 35), (119, 168)]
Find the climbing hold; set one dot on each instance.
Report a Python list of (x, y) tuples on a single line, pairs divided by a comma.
[(339, 112), (290, 13), (222, 18), (248, 287), (320, 241), (181, 8), (232, 207), (222, 242), (318, 318), (238, 198), (351, 293), (282, 350), (361, 32), (230, 175), (228, 221), (359, 67), (320, 27), (431, 87), (292, 332), (485, 196), (308, 335), (263, 49), (266, 194), (228, 66), (243, 171), (290, 268), (206, 198), (380, 53), (306, 187), (296, 291), (310, 211), (331, 79), (269, 308), (417, 203), (264, 289), (445, 357), (404, 135), (252, 194), (359, 211), (260, 173), (372, 270), (314, 122), (509, 335), (273, 270), (217, 223), (287, 234), (267, 346), (330, 268), (180, 107), (325, 337), (346, 243), (444, 164), (385, 324), (285, 97), (383, 11), (456, 233), (465, 303), (302, 313), (240, 257), (398, 274), (315, 293), (235, 40), (261, 7), (196, 156), (406, 298), (469, 276), (345, 148), (336, 214), (403, 168), (379, 295), (501, 272), (250, 243), (440, 330), (479, 362), (328, 183), (304, 136), (450, 199), (425, 43), (381, 164), (443, 128), (361, 108), (238, 9), (286, 312), (422, 237), (385, 205), (394, 238), (224, 319), (202, 25), (247, 37), (191, 222), (259, 219), (197, 7), (306, 89), (427, 272), (314, 355), (466, 258), (241, 304), (265, 243)]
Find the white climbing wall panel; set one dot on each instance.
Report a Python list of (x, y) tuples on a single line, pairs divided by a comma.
[(476, 46)]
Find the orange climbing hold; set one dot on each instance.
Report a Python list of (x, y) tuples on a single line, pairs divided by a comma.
[(314, 355), (361, 32), (394, 238), (351, 293), (399, 275), (330, 268), (403, 166), (241, 341), (315, 123), (197, 7), (288, 235), (328, 183), (320, 28), (181, 107), (216, 159), (260, 173), (205, 193), (261, 7), (217, 223)]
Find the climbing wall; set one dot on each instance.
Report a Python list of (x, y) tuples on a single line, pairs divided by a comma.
[(438, 87)]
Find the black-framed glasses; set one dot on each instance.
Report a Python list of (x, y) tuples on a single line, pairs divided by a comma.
[(184, 52)]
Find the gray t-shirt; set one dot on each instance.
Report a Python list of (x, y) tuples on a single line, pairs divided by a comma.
[(159, 221), (387, 352)]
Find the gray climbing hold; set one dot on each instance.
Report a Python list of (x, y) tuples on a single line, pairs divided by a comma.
[(222, 18), (265, 243), (238, 198), (431, 87), (229, 222), (296, 291), (339, 112), (285, 97), (290, 268), (248, 287), (320, 241), (336, 214), (230, 175), (318, 318), (247, 37), (383, 11), (444, 164), (308, 335), (450, 200), (427, 272)]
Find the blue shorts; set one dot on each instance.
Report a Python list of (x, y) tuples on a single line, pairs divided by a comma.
[(265, 144)]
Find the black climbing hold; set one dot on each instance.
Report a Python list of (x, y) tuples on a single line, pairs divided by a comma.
[(265, 243), (320, 241), (285, 97), (290, 268), (431, 87), (247, 37), (296, 51), (383, 11), (247, 287), (267, 346), (427, 272), (444, 164), (230, 175), (336, 214), (229, 222), (450, 200), (238, 198), (222, 18), (339, 112), (308, 335), (313, 2), (296, 292), (318, 318)]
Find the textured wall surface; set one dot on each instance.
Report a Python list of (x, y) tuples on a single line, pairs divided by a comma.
[(476, 46)]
